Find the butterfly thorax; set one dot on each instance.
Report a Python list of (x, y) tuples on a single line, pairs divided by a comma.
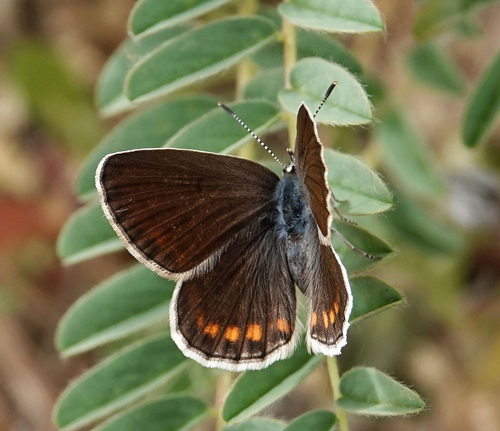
[(293, 209)]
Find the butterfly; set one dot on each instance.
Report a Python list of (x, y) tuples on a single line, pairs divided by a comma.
[(238, 239)]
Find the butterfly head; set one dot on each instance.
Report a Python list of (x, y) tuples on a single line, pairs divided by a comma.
[(290, 168)]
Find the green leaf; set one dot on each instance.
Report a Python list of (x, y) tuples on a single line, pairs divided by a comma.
[(375, 88), (310, 45), (334, 16), (367, 391), (437, 16), (110, 95), (152, 15), (483, 108), (257, 424), (121, 305), (217, 131), (165, 414), (406, 157), (86, 235), (352, 181), (317, 420), (372, 295), (255, 390), (180, 63), (266, 85), (270, 56), (432, 66), (311, 77), (363, 240), (146, 129), (423, 229), (118, 381), (182, 382)]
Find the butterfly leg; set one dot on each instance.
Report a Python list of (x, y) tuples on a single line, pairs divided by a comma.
[(336, 199), (353, 247), (333, 202)]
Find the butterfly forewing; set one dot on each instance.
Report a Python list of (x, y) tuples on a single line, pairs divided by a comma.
[(311, 168), (240, 314), (176, 209)]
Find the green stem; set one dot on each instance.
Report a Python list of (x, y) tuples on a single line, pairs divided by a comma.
[(333, 371), (245, 70), (289, 59), (372, 155), (289, 49), (222, 388), (244, 74)]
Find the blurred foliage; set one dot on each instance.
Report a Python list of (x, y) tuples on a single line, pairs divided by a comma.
[(57, 99)]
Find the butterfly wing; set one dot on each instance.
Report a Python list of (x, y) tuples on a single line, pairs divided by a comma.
[(323, 277), (311, 168), (175, 209), (241, 314), (330, 304)]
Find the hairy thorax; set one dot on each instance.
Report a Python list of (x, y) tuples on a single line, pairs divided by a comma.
[(293, 209), (295, 222)]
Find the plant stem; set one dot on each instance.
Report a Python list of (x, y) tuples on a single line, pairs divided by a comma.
[(289, 50), (245, 69), (289, 58), (221, 389), (244, 73), (333, 371), (372, 155)]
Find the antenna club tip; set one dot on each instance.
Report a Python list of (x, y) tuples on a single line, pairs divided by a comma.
[(225, 107), (330, 89)]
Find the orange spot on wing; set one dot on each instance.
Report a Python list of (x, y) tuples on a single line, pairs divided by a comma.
[(325, 319), (232, 334), (314, 318), (200, 321), (332, 316), (283, 325), (211, 329), (254, 332), (336, 306)]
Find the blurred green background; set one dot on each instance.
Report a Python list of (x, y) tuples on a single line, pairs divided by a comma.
[(445, 342)]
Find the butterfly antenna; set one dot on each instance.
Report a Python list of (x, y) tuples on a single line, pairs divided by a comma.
[(325, 97), (238, 119)]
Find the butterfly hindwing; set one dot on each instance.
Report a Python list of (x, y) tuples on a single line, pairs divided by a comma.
[(330, 304), (175, 209), (320, 275), (241, 314)]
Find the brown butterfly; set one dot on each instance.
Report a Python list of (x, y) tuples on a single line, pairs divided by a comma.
[(237, 239)]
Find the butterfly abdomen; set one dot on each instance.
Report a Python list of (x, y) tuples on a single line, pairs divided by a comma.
[(293, 209), (296, 222)]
